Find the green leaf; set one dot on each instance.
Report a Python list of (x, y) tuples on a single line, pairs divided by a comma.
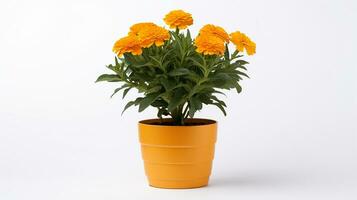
[(220, 79), (179, 72), (188, 35), (129, 104), (126, 92), (108, 77), (118, 89), (195, 105), (168, 83), (241, 62), (219, 101), (153, 89), (146, 101), (148, 64), (205, 98), (235, 53), (158, 62), (159, 103), (219, 92), (243, 74), (192, 110), (238, 88), (197, 63), (116, 61), (177, 99)]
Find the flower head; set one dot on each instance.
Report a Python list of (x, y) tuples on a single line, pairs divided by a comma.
[(209, 44), (243, 42), (216, 31), (128, 44), (136, 28), (149, 34), (178, 19)]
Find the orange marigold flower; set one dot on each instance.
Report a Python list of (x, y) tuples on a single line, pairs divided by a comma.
[(209, 44), (136, 28), (178, 19), (149, 34), (243, 42), (216, 31), (128, 44)]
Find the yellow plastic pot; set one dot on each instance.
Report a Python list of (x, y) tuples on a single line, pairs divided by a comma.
[(178, 156)]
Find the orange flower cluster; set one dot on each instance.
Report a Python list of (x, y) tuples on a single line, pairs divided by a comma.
[(211, 40), (141, 35), (149, 34)]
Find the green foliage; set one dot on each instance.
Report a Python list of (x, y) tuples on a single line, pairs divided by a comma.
[(175, 79)]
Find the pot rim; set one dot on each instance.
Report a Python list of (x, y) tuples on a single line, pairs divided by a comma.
[(146, 122)]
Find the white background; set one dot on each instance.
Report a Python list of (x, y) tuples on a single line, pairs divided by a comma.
[(291, 134)]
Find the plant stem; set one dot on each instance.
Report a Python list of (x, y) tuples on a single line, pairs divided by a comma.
[(178, 116)]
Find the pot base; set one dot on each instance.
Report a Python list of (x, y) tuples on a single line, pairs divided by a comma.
[(179, 184)]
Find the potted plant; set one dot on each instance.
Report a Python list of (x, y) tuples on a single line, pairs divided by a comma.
[(177, 75)]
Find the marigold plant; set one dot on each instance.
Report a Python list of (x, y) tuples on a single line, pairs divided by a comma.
[(175, 73)]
